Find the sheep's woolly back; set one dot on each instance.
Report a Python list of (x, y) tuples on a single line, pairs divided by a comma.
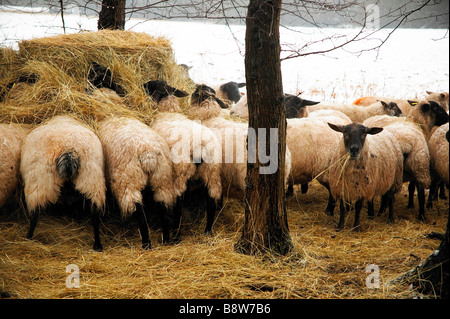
[(240, 108), (191, 143), (412, 144), (42, 148), (12, 137), (332, 116), (136, 157), (439, 152), (312, 145), (403, 104), (205, 110), (107, 95), (378, 169), (355, 113), (169, 104)]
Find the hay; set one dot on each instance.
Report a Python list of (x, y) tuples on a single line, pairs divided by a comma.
[(327, 263), (62, 64)]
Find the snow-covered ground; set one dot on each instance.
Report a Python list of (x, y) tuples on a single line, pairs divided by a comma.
[(410, 62)]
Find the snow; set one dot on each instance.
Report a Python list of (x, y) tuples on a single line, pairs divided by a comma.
[(409, 63)]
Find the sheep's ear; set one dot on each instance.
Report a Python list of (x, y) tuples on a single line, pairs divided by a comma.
[(220, 102), (429, 92), (385, 105), (337, 128), (442, 95), (425, 107), (307, 102), (241, 85), (374, 130), (412, 103), (180, 93)]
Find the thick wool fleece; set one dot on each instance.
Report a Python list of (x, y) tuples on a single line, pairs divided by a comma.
[(12, 137), (378, 169), (195, 151), (439, 152), (43, 147), (136, 157)]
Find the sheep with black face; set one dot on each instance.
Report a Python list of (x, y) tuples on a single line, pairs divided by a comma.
[(367, 163)]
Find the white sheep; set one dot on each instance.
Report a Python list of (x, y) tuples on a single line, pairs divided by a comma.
[(312, 145), (12, 137), (231, 135), (367, 163), (136, 158), (439, 164), (415, 152), (429, 115), (58, 152), (358, 114)]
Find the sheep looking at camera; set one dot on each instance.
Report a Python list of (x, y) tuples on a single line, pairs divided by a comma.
[(367, 163), (58, 152), (137, 158)]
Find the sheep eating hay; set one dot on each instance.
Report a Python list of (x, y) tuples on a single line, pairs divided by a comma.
[(137, 157), (59, 152), (367, 164)]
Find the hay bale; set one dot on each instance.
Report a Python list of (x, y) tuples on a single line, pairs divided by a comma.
[(62, 64)]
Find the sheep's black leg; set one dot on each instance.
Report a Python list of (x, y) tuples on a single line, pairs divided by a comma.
[(433, 190), (33, 222), (304, 188), (331, 203), (342, 214), (95, 218), (139, 214), (421, 198), (177, 212), (383, 204), (290, 189), (442, 190), (163, 212), (210, 214), (411, 189), (358, 206), (390, 200), (370, 209)]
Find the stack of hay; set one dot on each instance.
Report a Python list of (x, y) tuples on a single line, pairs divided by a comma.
[(62, 64)]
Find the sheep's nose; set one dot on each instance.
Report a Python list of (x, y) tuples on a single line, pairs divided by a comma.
[(231, 112), (354, 150)]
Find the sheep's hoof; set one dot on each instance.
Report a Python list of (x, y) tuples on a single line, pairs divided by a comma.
[(174, 240), (147, 246), (329, 212), (357, 228), (98, 248), (208, 232), (442, 196)]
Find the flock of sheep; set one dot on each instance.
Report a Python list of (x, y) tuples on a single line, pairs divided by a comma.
[(358, 152)]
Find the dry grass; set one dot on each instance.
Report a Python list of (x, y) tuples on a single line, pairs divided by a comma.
[(62, 64), (327, 263)]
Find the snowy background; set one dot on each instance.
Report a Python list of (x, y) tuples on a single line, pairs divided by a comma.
[(410, 62)]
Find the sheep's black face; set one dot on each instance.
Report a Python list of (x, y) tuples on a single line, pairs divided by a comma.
[(159, 89), (202, 93), (231, 91), (440, 116), (354, 137), (294, 105), (392, 109)]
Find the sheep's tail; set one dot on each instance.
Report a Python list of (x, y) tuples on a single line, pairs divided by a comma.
[(68, 165)]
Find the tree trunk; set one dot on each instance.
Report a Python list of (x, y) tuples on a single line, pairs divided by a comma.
[(265, 227), (432, 276), (112, 15)]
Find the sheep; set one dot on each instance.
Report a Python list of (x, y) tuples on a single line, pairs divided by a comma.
[(439, 164), (429, 115), (415, 153), (57, 154), (196, 155), (229, 92), (12, 137), (206, 107), (138, 158), (102, 77), (11, 89), (441, 98), (359, 114), (295, 107), (367, 163), (312, 145), (164, 95)]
